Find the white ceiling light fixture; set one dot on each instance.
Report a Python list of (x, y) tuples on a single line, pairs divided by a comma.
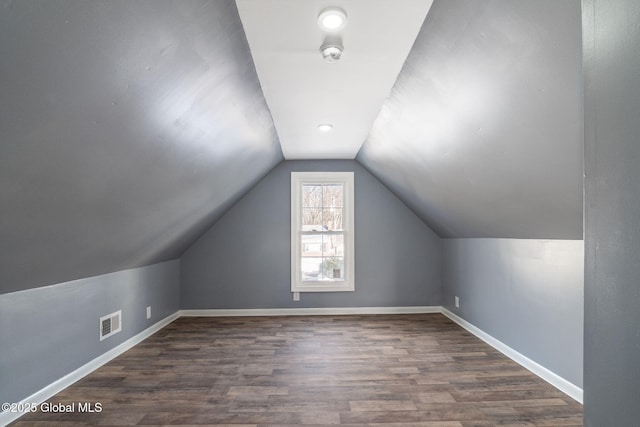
[(325, 127), (332, 19)]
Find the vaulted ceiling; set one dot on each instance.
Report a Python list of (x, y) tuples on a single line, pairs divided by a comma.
[(127, 128), (482, 133)]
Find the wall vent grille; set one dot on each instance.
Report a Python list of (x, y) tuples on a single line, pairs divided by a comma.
[(110, 324)]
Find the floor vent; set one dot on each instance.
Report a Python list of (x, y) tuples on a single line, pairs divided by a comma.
[(110, 324)]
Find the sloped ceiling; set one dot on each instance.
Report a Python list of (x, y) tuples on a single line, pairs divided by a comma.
[(482, 133), (126, 129)]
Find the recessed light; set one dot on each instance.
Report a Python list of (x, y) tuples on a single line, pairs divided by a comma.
[(325, 127), (332, 19)]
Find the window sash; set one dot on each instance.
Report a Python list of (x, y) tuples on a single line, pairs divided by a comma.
[(344, 260)]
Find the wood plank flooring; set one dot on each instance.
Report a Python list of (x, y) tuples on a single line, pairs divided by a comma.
[(391, 370)]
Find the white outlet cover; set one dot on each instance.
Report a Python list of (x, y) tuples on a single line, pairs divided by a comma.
[(149, 312), (457, 300)]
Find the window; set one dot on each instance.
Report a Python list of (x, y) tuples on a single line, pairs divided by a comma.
[(322, 242)]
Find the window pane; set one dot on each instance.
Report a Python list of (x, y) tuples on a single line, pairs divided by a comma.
[(311, 245), (312, 195), (332, 245), (332, 195), (312, 219), (333, 268), (310, 268), (332, 219), (311, 260)]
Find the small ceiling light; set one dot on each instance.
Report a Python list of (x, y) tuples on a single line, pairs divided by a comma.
[(332, 19), (331, 50), (325, 127)]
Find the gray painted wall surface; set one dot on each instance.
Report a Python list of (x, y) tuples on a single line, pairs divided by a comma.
[(612, 212), (481, 135), (48, 332), (526, 293), (243, 261), (121, 123)]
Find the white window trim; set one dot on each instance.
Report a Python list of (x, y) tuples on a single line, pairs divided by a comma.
[(297, 180)]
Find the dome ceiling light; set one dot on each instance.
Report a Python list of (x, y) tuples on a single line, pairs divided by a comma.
[(332, 19)]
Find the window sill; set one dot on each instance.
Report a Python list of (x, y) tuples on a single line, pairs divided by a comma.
[(323, 287)]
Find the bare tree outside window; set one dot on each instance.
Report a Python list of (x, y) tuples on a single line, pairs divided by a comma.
[(323, 248), (322, 232)]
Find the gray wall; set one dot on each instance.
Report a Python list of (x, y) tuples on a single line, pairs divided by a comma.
[(49, 332), (243, 261), (526, 293), (612, 212)]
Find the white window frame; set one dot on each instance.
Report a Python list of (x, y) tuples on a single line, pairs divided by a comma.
[(298, 179)]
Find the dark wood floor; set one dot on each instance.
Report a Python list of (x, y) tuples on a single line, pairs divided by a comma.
[(404, 370)]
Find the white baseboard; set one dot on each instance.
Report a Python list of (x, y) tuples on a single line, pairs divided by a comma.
[(52, 389), (326, 311), (64, 382), (555, 380)]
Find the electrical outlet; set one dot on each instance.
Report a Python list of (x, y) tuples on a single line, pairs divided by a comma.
[(149, 312), (457, 301), (296, 296)]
